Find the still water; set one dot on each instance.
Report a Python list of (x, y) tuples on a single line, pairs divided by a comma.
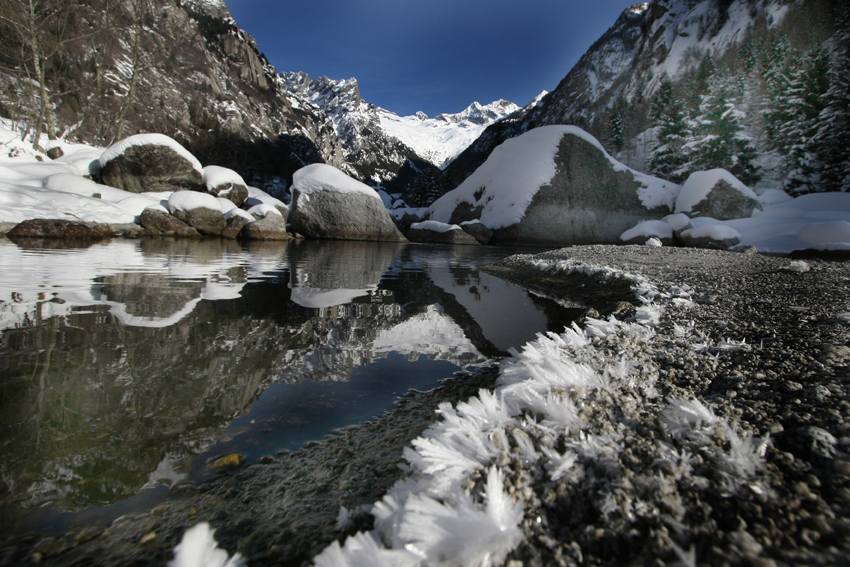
[(126, 367)]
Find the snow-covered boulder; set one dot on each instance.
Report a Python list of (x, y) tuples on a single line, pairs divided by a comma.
[(646, 230), (477, 230), (156, 220), (199, 210), (225, 183), (555, 185), (714, 236), (326, 203), (718, 194), (270, 227), (150, 162), (438, 232)]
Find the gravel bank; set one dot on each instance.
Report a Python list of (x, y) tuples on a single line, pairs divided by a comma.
[(766, 349)]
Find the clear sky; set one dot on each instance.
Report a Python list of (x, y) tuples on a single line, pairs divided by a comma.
[(430, 55)]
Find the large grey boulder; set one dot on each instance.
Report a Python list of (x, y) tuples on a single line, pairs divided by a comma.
[(150, 162), (555, 185), (199, 210), (439, 233), (58, 228), (270, 227), (714, 236), (225, 183), (717, 194), (158, 221), (326, 203)]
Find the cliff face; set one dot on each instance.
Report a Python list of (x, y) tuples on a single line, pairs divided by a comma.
[(183, 68)]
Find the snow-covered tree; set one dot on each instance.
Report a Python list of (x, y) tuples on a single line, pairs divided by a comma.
[(615, 132), (719, 139), (667, 116), (834, 119)]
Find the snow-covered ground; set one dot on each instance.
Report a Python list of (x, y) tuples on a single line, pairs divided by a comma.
[(33, 186)]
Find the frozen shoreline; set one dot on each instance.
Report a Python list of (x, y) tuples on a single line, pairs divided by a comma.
[(764, 348)]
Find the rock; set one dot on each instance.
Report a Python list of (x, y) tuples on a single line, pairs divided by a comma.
[(326, 203), (713, 236), (154, 219), (235, 224), (477, 230), (57, 228), (270, 227), (555, 185), (717, 194), (647, 230), (55, 152), (810, 442), (198, 210), (225, 183), (150, 162), (437, 232)]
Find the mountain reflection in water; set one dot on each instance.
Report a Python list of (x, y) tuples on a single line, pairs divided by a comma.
[(127, 365)]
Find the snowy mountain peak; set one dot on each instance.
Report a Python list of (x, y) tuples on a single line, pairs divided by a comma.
[(440, 139), (481, 115)]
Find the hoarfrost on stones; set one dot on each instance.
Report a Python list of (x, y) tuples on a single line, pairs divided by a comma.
[(198, 548)]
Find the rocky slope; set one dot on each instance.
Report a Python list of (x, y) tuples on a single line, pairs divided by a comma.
[(673, 63)]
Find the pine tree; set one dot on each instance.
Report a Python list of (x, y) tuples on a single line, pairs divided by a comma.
[(831, 137), (720, 142), (667, 116), (615, 133)]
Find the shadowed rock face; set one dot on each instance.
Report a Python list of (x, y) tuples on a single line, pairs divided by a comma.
[(590, 200), (724, 202), (56, 228), (342, 216), (587, 202), (151, 167)]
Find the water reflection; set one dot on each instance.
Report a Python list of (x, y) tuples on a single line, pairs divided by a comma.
[(122, 364)]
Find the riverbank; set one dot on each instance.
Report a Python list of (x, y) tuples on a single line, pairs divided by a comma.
[(719, 433)]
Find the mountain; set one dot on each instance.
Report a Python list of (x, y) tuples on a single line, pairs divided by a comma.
[(372, 154), (184, 68), (440, 139), (755, 86)]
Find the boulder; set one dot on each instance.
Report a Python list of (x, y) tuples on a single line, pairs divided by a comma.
[(159, 221), (713, 236), (270, 227), (717, 194), (326, 203), (477, 230), (440, 233), (57, 228), (236, 221), (647, 230), (55, 152), (555, 185), (199, 210), (150, 162), (225, 183)]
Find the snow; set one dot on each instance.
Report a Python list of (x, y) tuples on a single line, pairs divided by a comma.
[(188, 200), (506, 183), (215, 176), (122, 146), (440, 140), (198, 548), (258, 197), (713, 231), (262, 210), (700, 183), (649, 228), (320, 177), (435, 226)]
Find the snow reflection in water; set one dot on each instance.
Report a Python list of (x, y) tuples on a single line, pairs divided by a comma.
[(127, 365)]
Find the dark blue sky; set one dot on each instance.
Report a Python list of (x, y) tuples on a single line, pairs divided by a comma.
[(430, 55)]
